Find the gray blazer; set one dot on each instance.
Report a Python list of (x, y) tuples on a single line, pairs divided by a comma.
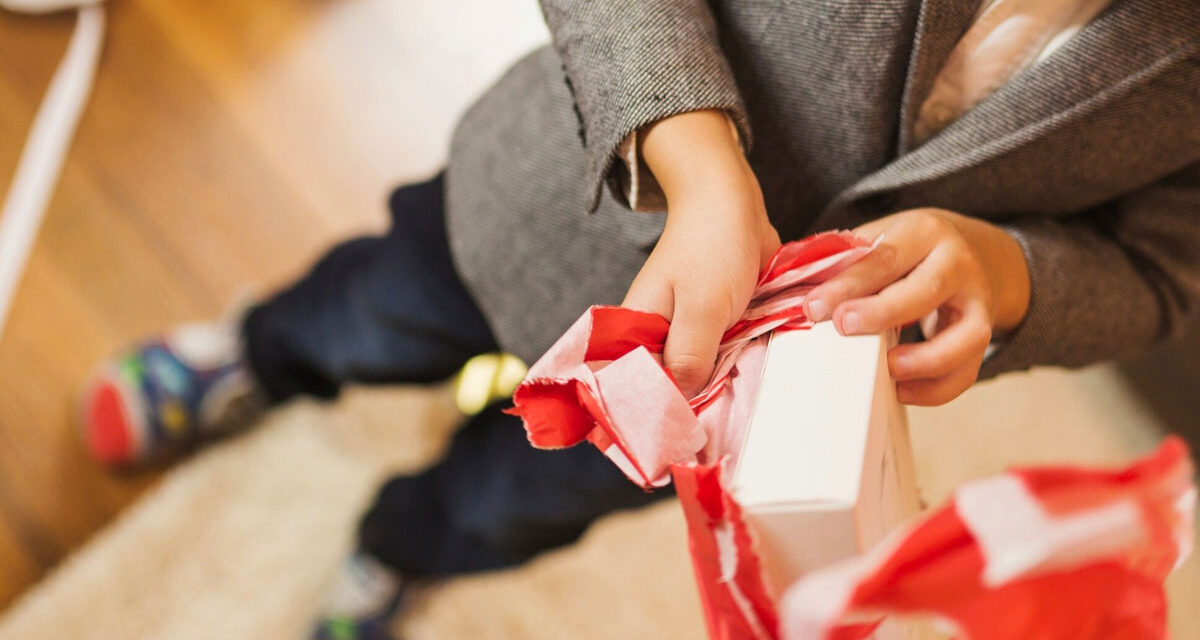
[(1091, 159)]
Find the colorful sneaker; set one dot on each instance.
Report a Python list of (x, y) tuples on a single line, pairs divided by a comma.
[(169, 393), (363, 601)]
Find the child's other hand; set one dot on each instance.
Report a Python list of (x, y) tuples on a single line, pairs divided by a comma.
[(702, 272), (960, 277)]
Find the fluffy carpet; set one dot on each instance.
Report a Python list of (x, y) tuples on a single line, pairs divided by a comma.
[(240, 541)]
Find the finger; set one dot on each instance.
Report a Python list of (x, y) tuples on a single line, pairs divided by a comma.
[(929, 392), (932, 324), (906, 300), (650, 294), (963, 341), (692, 341), (871, 231), (899, 252), (925, 220)]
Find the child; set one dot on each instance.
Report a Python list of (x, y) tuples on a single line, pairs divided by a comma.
[(1032, 168)]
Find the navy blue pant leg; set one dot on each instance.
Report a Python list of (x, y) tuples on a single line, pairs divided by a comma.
[(493, 502), (376, 309), (391, 309)]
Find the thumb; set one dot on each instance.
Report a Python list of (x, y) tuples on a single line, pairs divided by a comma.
[(649, 294), (691, 350)]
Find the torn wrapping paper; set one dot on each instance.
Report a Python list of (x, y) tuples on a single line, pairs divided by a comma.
[(1053, 553), (603, 381)]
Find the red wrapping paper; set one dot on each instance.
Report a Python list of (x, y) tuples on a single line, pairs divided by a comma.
[(986, 573), (1053, 553)]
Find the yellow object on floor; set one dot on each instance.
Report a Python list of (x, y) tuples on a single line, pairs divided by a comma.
[(486, 379)]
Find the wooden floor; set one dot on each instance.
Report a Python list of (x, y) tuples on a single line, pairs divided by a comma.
[(226, 144)]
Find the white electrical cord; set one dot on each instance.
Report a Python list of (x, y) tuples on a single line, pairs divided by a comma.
[(46, 147)]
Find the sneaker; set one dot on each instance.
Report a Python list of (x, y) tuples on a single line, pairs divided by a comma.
[(167, 394), (362, 602)]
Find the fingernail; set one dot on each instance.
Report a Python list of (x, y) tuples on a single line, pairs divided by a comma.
[(902, 365), (851, 323), (817, 310)]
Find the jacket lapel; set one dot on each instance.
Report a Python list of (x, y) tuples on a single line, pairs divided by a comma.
[(1124, 46), (940, 25)]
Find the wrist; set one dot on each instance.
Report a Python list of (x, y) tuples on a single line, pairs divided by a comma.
[(1003, 261), (1011, 290), (695, 155)]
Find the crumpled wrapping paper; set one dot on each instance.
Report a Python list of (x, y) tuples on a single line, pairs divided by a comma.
[(983, 564), (603, 380), (1046, 553)]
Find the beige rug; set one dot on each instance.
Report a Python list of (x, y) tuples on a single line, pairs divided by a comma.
[(241, 541)]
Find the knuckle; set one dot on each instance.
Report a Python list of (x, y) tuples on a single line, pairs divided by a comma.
[(961, 256), (884, 314), (729, 307), (985, 294), (928, 221), (688, 366), (840, 290), (938, 285), (980, 333), (886, 257), (965, 260), (969, 261)]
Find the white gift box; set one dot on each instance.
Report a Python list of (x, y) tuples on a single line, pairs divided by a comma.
[(826, 470)]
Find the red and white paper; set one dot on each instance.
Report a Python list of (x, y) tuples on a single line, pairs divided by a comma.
[(1050, 553), (983, 564)]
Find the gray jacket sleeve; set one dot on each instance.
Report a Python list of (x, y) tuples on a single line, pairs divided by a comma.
[(632, 62), (1110, 282)]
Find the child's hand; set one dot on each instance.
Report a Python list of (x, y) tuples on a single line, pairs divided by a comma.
[(702, 272), (962, 278)]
